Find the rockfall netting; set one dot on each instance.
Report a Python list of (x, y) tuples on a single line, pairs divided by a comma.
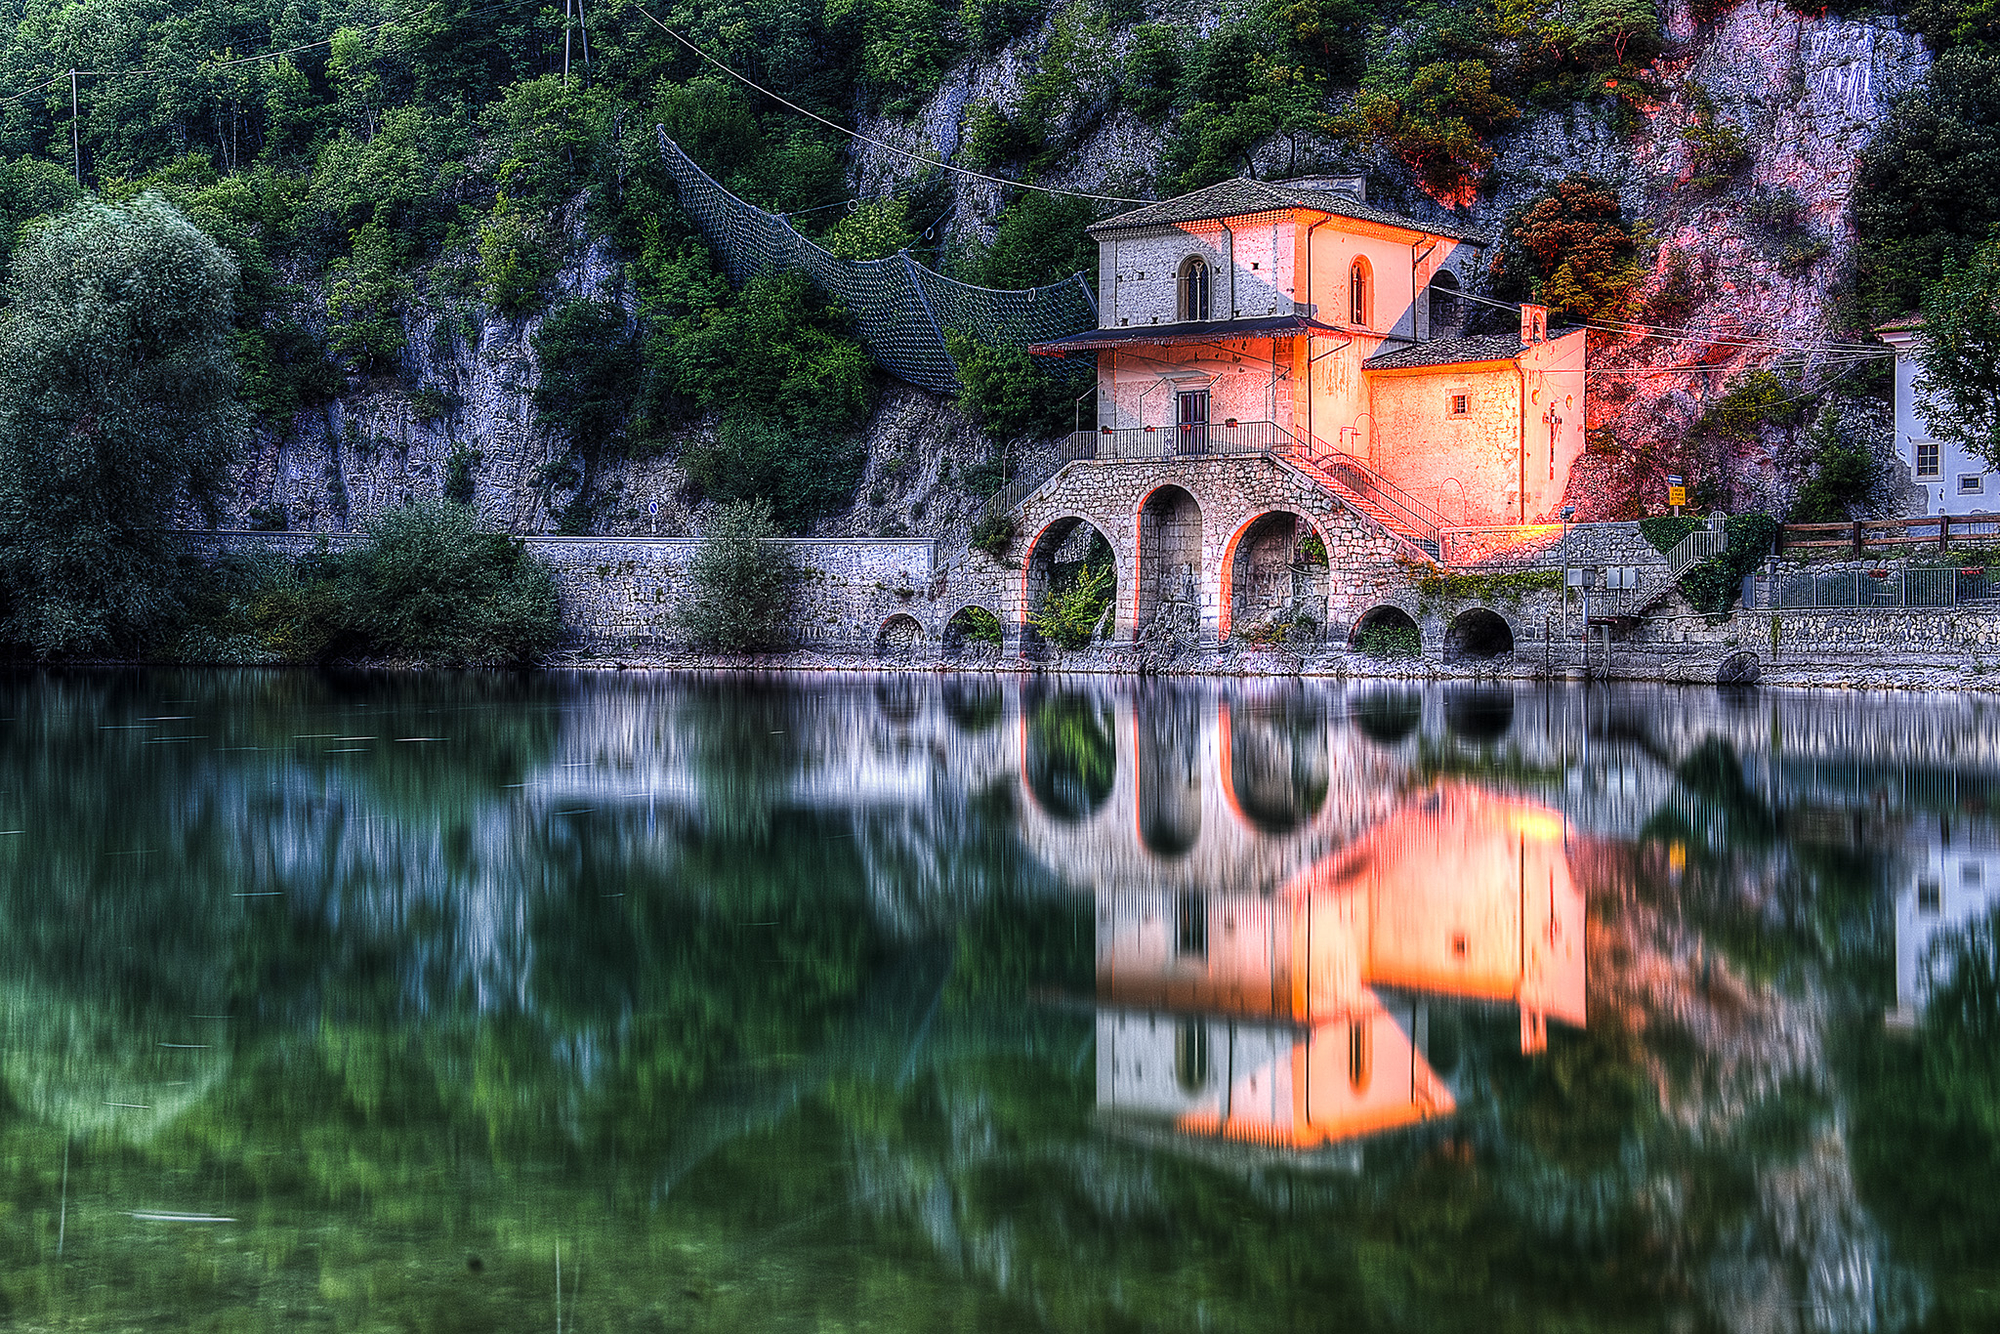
[(902, 310)]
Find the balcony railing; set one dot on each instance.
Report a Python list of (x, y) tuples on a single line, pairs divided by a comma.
[(1207, 440)]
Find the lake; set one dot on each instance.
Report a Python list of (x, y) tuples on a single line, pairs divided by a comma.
[(679, 1002)]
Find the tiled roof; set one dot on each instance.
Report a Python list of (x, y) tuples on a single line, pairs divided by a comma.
[(1445, 351), (1230, 199)]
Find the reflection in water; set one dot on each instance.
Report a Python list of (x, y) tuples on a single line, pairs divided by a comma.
[(1316, 998), (918, 1003)]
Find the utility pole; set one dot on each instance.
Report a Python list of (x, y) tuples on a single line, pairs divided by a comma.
[(75, 140), (566, 28), (583, 30)]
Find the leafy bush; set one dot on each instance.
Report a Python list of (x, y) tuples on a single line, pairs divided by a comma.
[(1713, 586), (459, 484), (739, 589), (1570, 250), (1153, 70), (994, 535), (1716, 148), (1386, 640), (430, 586), (590, 366), (1960, 375), (1009, 395), (1070, 612), (1438, 125)]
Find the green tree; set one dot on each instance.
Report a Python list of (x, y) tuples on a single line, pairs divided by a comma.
[(874, 229), (739, 587), (117, 404), (1439, 125), (432, 586), (1960, 356)]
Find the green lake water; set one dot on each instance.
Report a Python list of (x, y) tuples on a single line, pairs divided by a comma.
[(657, 1002)]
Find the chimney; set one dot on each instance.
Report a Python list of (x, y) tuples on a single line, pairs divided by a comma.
[(1534, 325)]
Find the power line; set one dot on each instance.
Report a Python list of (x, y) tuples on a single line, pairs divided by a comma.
[(1671, 335), (886, 147)]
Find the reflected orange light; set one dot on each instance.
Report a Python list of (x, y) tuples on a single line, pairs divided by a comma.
[(1257, 1018)]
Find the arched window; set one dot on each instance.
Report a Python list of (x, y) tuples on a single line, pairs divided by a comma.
[(1359, 298), (1447, 312), (1194, 289)]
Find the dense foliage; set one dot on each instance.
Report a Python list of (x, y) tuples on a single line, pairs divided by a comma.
[(1960, 353), (117, 403)]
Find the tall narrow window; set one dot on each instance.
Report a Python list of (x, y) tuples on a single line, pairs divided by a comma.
[(1357, 293), (1191, 921), (1447, 316), (1194, 289), (1191, 1055)]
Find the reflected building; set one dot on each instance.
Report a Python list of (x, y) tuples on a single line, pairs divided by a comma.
[(1298, 1019), (1950, 883)]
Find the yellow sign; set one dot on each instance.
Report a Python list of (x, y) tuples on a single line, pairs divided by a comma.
[(1677, 495)]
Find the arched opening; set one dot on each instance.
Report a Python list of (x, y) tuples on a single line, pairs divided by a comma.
[(1451, 501), (1279, 770), (1387, 634), (1388, 717), (975, 633), (1072, 758), (1193, 289), (900, 639), (1276, 577), (1481, 716), (1168, 606), (1360, 294), (1478, 635), (1738, 669), (1071, 587), (1447, 306), (1169, 773)]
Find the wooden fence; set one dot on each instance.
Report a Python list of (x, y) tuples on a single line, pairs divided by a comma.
[(1936, 531)]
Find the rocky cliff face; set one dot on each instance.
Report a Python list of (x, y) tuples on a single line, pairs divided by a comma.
[(1751, 263)]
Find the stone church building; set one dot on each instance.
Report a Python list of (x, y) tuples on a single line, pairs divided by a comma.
[(1296, 317)]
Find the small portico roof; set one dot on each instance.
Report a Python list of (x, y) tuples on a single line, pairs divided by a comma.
[(1187, 331)]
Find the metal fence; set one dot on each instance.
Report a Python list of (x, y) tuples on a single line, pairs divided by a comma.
[(1864, 589)]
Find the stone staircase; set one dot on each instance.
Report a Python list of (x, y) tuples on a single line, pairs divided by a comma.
[(1371, 496)]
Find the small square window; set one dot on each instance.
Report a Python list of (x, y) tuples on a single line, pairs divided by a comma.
[(1928, 464), (1461, 404), (1930, 897), (1972, 484)]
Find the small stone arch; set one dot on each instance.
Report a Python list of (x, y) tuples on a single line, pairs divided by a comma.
[(1478, 634), (1386, 631), (1166, 594), (1738, 669), (1066, 549), (1275, 572), (973, 631), (899, 638)]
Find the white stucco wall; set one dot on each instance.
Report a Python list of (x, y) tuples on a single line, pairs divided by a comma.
[(1943, 493)]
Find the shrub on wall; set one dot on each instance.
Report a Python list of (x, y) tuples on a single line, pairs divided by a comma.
[(1069, 614), (430, 586), (740, 584)]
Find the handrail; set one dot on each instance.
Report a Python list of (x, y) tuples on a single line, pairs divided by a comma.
[(1695, 548), (1376, 487)]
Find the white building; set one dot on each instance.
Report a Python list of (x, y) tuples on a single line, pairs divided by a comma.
[(1954, 480)]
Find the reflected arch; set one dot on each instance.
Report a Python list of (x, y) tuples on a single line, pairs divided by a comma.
[(1068, 549), (1388, 717), (1481, 715), (1276, 762), (1168, 732), (973, 631), (1478, 634), (1071, 763), (1168, 582), (1275, 571), (899, 638)]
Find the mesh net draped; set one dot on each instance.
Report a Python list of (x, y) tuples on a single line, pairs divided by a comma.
[(902, 310)]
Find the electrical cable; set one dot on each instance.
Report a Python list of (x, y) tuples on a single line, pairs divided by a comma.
[(878, 143), (1666, 334)]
